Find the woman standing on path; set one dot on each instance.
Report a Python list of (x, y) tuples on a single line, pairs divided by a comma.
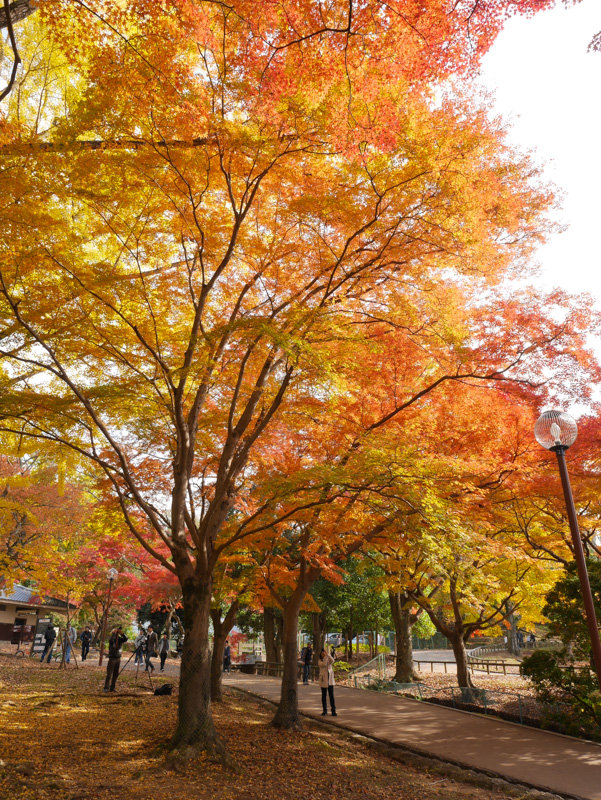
[(326, 681)]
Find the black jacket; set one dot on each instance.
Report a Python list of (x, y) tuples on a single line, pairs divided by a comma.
[(116, 641), (50, 635), (151, 644)]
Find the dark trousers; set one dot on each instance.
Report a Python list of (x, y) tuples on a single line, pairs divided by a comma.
[(112, 673), (149, 665), (163, 657), (85, 649), (324, 693), (306, 671), (47, 652)]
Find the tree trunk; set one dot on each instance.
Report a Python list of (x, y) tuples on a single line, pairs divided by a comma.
[(320, 622), (221, 630), (217, 665), (279, 636), (195, 728), (513, 644), (272, 634), (401, 617), (464, 678), (287, 715)]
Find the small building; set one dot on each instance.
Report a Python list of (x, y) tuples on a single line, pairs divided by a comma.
[(20, 610)]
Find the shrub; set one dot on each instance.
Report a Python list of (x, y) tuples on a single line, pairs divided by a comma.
[(565, 677)]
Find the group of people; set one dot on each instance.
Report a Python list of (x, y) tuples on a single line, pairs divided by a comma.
[(147, 646), (326, 676), (68, 637)]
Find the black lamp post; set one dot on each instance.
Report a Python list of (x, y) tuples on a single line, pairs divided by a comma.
[(557, 431)]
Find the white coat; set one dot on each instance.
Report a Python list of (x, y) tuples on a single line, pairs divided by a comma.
[(326, 671)]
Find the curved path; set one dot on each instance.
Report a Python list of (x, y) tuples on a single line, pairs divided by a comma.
[(548, 761)]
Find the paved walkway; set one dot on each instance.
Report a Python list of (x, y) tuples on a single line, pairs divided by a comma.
[(548, 761)]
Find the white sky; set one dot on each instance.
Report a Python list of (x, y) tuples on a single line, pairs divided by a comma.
[(547, 84)]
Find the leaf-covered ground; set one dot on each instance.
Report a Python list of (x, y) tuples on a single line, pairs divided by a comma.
[(64, 739)]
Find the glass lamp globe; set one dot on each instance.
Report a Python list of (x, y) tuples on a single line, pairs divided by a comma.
[(555, 429), (112, 574)]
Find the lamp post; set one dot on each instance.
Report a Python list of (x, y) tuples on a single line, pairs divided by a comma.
[(557, 431), (111, 575)]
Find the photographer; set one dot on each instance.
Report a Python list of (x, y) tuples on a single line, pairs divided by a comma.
[(116, 641)]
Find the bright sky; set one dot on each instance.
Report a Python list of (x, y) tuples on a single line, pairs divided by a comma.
[(550, 87)]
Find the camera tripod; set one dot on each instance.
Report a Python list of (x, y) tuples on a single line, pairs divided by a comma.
[(137, 671)]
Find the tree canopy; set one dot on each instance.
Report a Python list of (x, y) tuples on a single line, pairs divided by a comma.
[(246, 248)]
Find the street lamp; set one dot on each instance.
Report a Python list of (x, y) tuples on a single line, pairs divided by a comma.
[(557, 431), (111, 575)]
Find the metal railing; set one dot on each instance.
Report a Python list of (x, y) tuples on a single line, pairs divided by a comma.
[(276, 669), (500, 667), (379, 663), (445, 664), (489, 648)]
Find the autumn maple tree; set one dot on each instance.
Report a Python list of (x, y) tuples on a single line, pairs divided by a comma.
[(38, 512), (226, 226)]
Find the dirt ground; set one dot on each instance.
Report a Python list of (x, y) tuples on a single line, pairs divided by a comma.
[(64, 739)]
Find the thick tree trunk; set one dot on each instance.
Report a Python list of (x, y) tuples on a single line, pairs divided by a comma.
[(195, 728), (287, 715), (401, 617), (464, 678)]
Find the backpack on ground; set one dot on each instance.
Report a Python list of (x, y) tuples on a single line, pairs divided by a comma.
[(166, 688)]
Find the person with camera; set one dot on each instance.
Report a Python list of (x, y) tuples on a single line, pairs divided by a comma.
[(326, 682), (116, 641)]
